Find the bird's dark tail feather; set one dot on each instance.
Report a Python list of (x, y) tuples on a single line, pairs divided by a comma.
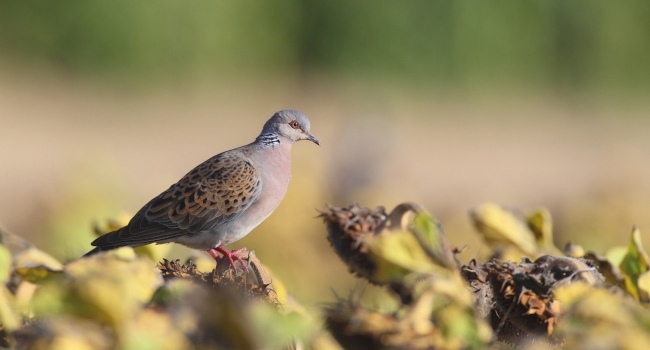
[(95, 251)]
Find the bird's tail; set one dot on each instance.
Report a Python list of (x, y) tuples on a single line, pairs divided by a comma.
[(97, 250), (92, 252)]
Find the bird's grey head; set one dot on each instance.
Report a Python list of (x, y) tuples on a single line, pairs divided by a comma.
[(290, 125)]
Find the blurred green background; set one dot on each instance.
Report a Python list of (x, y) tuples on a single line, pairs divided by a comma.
[(450, 104)]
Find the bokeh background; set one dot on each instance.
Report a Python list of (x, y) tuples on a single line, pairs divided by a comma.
[(103, 105)]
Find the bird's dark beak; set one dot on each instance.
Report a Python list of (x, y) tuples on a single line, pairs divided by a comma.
[(311, 138)]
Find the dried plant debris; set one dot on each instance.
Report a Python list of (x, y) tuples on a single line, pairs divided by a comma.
[(254, 285), (518, 298), (611, 272), (551, 301), (606, 266), (407, 251), (349, 231), (389, 248), (625, 267)]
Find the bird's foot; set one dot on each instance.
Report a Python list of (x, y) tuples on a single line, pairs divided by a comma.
[(232, 256)]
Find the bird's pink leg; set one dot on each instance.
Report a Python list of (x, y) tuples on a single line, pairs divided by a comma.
[(232, 256)]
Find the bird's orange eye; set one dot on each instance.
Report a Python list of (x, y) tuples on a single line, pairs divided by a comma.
[(294, 124)]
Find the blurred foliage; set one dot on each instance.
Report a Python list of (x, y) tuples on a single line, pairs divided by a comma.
[(407, 251), (634, 266), (167, 39), (119, 299), (546, 302), (588, 44), (600, 318), (556, 44), (512, 235)]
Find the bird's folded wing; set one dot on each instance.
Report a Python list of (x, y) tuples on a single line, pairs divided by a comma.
[(213, 193)]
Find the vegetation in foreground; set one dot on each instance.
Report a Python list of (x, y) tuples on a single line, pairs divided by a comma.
[(529, 293)]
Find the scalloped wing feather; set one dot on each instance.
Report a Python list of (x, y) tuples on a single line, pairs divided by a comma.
[(214, 192)]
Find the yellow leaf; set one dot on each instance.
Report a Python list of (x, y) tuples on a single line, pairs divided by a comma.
[(540, 223), (203, 262), (5, 264), (281, 291), (154, 330), (500, 227), (34, 265), (615, 255), (110, 287), (644, 286), (154, 251), (399, 253), (8, 315), (112, 224)]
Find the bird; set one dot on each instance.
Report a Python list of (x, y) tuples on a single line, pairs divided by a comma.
[(222, 199)]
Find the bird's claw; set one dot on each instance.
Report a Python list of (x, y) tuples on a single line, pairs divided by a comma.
[(232, 256)]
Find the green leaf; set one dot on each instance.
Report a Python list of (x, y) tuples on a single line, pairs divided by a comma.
[(428, 229), (634, 264), (433, 239)]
